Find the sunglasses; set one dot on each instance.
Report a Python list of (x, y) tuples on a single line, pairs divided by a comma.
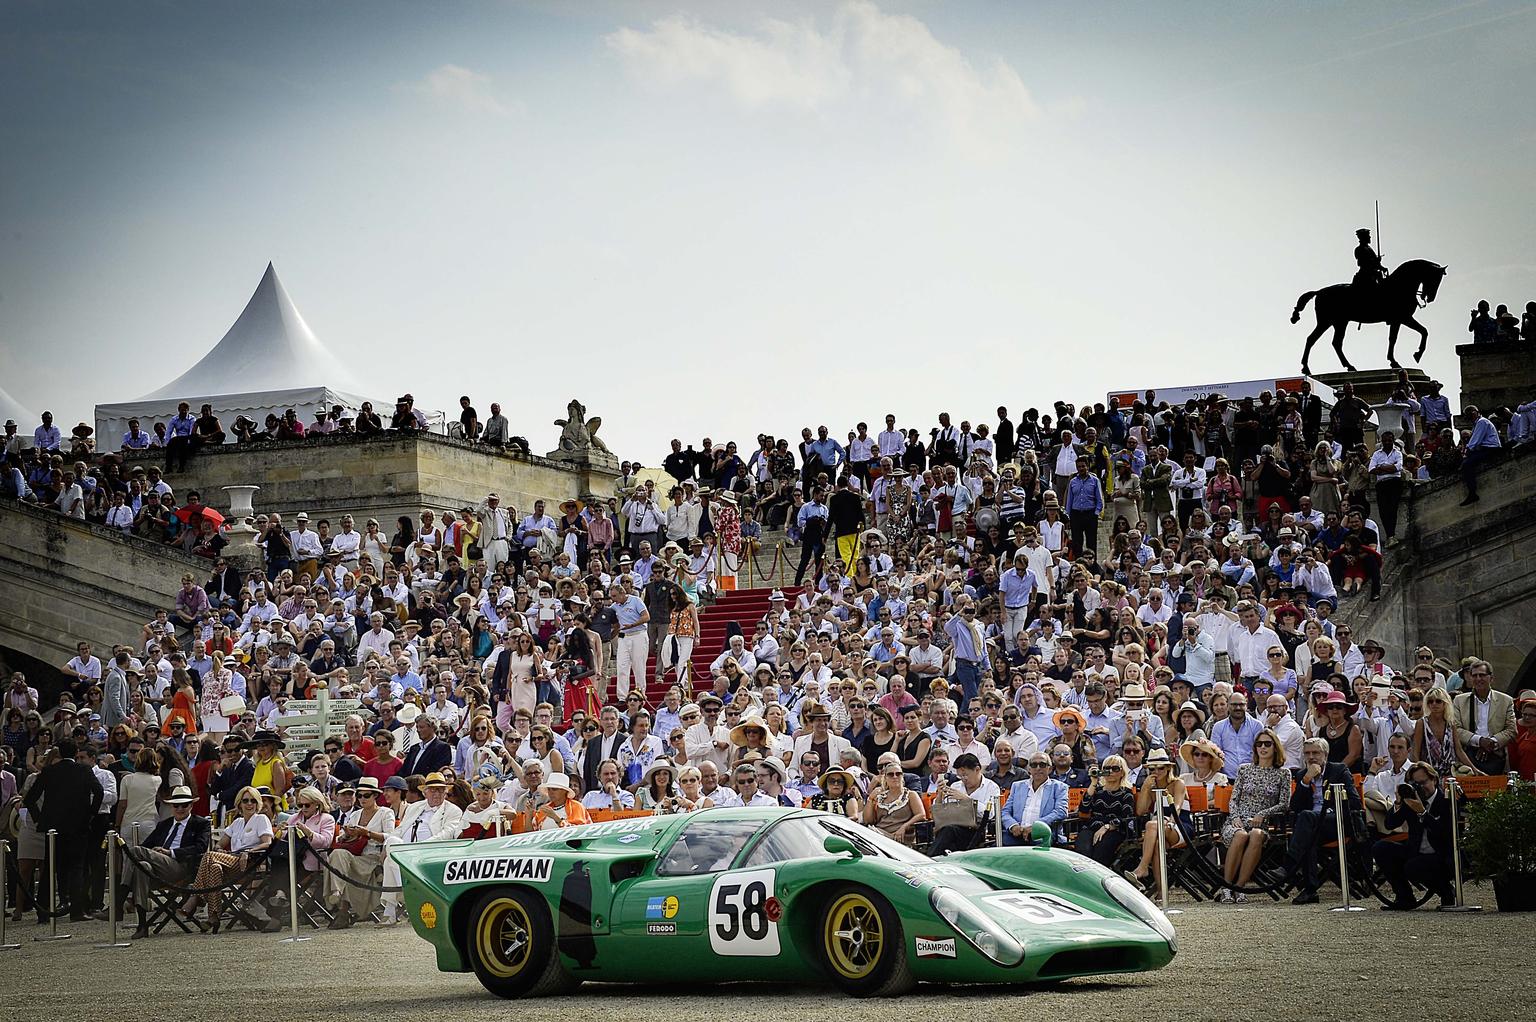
[(1114, 770), (367, 794), (250, 802)]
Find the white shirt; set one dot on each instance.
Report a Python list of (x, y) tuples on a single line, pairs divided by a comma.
[(108, 788), (347, 544), (305, 543), (1393, 459), (1189, 483), (1031, 812), (1251, 649), (892, 444), (976, 748), (90, 668)]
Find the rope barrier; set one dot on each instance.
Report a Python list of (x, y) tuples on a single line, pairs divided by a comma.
[(361, 884)]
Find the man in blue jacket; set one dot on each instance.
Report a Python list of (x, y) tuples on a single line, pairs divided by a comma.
[(1039, 798)]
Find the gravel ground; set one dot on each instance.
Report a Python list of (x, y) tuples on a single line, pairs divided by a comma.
[(1301, 959)]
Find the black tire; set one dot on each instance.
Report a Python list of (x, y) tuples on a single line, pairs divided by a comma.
[(509, 940), (862, 946)]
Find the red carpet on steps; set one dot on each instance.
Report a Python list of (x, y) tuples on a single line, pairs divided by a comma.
[(744, 606)]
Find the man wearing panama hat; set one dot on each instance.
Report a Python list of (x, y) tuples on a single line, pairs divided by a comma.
[(170, 854)]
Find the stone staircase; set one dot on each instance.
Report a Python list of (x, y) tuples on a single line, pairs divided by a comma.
[(744, 608)]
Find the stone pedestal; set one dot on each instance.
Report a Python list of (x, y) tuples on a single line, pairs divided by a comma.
[(1501, 373), (1375, 386)]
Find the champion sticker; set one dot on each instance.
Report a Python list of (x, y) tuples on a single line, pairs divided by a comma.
[(935, 947), (536, 868)]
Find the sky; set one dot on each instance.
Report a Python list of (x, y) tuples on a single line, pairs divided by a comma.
[(719, 218)]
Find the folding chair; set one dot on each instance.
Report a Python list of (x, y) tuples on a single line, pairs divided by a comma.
[(242, 904), (162, 911)]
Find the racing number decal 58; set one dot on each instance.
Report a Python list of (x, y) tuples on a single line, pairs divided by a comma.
[(739, 925)]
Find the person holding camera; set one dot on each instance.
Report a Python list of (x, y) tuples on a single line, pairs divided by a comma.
[(1108, 810), (1425, 858)]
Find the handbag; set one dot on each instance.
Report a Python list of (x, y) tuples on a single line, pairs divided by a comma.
[(959, 812)]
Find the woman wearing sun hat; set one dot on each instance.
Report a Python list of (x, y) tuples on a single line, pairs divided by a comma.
[(1205, 760), (1159, 777), (839, 794), (1071, 722), (1341, 732)]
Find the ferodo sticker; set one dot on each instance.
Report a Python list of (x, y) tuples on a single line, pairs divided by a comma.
[(1040, 908), (740, 921), (935, 947), (535, 868)]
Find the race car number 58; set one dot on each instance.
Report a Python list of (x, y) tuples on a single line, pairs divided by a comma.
[(739, 925)]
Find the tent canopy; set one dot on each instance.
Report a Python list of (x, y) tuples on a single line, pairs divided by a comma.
[(268, 361), (10, 408)]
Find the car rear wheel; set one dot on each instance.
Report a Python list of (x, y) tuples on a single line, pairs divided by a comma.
[(862, 945), (512, 945)]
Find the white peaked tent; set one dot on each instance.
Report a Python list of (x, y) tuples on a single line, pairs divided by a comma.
[(10, 408), (268, 362)]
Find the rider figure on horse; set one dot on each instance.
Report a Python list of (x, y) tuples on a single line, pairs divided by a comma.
[(1370, 272)]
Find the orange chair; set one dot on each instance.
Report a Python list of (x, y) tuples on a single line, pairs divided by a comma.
[(1199, 801), (1221, 798)]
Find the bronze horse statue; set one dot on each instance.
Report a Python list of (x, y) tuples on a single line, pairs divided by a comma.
[(1393, 301)]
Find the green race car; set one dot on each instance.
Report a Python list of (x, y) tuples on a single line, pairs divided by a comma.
[(739, 894)]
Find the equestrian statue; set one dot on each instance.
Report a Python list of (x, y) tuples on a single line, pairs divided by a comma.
[(1373, 296)]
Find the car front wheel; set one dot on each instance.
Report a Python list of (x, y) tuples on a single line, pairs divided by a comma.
[(862, 945), (512, 945)]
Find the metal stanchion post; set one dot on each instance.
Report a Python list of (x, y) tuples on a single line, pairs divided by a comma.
[(1452, 790), (997, 820), (5, 857), (112, 898), (1340, 804), (1162, 853), (53, 890), (293, 891)]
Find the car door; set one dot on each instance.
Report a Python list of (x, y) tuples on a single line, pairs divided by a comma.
[(697, 910)]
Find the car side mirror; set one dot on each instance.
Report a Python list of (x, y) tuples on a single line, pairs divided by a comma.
[(1041, 835), (836, 844)]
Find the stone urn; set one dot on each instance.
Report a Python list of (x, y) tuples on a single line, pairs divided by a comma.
[(240, 510)]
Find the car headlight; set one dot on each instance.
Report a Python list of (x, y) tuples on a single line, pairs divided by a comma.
[(978, 930), (1140, 906)]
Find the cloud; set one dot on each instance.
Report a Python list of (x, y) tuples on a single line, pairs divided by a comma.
[(466, 89), (863, 55)]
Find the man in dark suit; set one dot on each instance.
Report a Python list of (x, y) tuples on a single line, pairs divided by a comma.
[(1313, 815), (1425, 858), (603, 745), (1311, 408), (66, 797), (170, 854), (431, 752)]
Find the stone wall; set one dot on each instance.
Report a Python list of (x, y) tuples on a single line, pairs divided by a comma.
[(65, 581), (1503, 373), (1463, 580), (382, 477)]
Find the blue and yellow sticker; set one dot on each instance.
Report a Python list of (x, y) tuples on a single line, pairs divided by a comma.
[(661, 908)]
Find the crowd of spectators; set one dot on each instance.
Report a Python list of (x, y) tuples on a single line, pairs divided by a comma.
[(1502, 324), (1122, 601)]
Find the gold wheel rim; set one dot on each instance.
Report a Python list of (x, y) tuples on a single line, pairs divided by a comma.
[(504, 938), (854, 938)]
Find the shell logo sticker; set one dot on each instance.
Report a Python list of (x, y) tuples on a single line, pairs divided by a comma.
[(428, 915)]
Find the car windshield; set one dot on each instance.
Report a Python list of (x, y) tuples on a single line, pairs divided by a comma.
[(707, 846), (805, 837)]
